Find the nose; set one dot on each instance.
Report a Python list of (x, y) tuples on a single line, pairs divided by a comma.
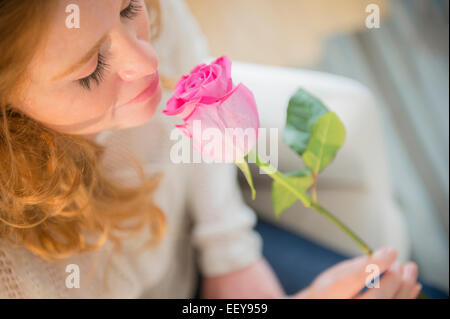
[(136, 57)]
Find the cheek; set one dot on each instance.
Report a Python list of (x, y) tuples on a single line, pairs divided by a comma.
[(71, 106)]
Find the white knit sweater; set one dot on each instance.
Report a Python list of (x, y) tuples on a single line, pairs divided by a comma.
[(208, 223)]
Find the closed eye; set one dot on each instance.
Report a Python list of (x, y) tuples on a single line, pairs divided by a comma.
[(132, 10), (97, 75)]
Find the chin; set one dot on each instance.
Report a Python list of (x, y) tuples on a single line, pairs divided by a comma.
[(139, 114)]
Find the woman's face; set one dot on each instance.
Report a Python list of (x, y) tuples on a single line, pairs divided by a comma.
[(100, 76)]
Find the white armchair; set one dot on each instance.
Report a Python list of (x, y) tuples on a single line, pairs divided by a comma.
[(356, 186)]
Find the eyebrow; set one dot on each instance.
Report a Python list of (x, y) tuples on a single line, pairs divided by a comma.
[(94, 50)]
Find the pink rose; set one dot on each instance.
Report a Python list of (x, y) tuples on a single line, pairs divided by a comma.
[(228, 115)]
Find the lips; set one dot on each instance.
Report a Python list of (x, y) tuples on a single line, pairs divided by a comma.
[(146, 93)]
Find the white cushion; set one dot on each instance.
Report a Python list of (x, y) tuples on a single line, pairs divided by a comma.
[(356, 186)]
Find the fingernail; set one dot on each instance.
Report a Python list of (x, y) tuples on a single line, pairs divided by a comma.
[(410, 270), (384, 253), (396, 267)]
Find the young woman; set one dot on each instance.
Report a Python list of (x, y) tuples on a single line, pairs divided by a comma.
[(90, 204)]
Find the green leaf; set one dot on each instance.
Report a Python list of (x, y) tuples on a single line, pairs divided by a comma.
[(282, 198), (302, 112), (243, 166), (327, 136)]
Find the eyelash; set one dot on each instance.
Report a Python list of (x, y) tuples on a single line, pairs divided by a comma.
[(97, 75), (132, 10), (129, 12)]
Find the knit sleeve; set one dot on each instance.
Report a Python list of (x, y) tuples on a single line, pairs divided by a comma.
[(223, 224)]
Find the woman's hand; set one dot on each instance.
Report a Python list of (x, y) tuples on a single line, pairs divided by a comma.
[(346, 279)]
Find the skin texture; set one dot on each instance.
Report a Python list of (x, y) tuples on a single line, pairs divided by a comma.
[(66, 106)]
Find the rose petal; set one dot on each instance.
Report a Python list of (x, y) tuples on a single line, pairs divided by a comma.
[(225, 63), (179, 87), (216, 88), (197, 68), (236, 119), (184, 111), (173, 104)]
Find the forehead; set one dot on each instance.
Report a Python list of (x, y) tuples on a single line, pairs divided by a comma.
[(66, 44)]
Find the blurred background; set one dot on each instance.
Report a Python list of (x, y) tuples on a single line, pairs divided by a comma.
[(404, 62)]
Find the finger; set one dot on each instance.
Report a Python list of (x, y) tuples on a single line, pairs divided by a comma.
[(346, 279), (389, 284), (415, 292), (408, 281)]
